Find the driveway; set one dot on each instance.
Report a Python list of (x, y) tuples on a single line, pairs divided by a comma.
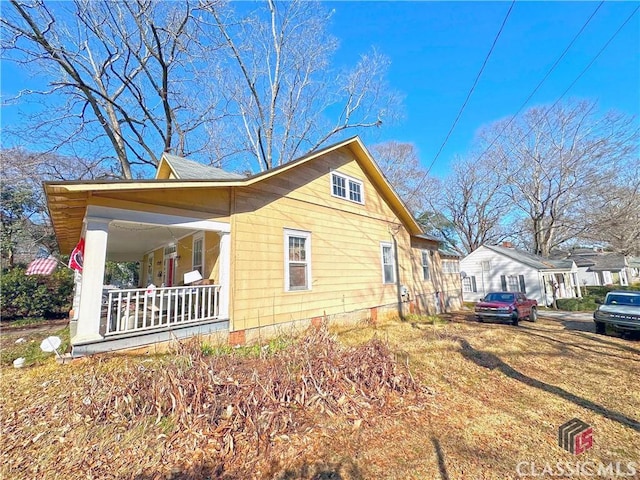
[(583, 322)]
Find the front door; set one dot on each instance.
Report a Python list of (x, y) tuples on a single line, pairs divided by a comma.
[(169, 271)]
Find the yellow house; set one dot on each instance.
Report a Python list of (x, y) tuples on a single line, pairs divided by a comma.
[(324, 236)]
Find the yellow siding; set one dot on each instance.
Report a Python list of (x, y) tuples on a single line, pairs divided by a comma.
[(212, 204), (211, 255), (158, 265), (345, 246), (183, 249), (143, 271)]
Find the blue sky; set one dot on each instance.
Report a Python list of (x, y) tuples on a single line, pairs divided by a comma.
[(437, 48)]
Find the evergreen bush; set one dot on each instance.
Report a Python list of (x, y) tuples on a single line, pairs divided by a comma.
[(48, 296)]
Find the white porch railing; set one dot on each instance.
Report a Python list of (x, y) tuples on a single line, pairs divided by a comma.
[(141, 310)]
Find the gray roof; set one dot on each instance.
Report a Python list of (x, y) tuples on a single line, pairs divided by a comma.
[(447, 252), (426, 236), (582, 261), (531, 260), (608, 262), (186, 169), (634, 262)]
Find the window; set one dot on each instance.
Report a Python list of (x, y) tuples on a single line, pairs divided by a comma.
[(150, 268), (355, 191), (469, 284), (425, 265), (388, 263), (450, 266), (513, 283), (339, 188), (341, 184), (297, 251), (197, 261)]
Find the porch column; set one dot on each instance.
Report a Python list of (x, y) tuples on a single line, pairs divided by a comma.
[(95, 253), (224, 272)]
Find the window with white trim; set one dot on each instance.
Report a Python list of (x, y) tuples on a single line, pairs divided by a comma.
[(297, 260), (150, 268), (197, 261), (346, 187), (388, 263), (451, 266), (513, 284), (469, 284), (426, 274)]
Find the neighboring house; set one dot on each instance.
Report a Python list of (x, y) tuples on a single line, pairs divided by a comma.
[(324, 236), (502, 268), (597, 267)]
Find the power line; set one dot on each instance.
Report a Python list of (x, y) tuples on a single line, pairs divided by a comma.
[(584, 70), (541, 81), (615, 34), (455, 122)]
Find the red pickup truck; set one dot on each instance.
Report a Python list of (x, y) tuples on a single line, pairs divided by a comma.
[(512, 306)]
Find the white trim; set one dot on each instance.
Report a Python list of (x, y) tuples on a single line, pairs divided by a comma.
[(393, 262), (151, 261), (288, 232), (224, 274), (623, 278), (347, 179), (96, 235), (198, 236), (424, 255)]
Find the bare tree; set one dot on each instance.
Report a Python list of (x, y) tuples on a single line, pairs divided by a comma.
[(192, 78), (279, 86), (615, 219), (473, 200), (116, 70), (401, 166), (554, 162)]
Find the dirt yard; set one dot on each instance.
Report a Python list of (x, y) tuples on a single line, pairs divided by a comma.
[(495, 398)]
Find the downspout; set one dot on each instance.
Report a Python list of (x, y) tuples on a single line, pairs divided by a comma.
[(398, 283)]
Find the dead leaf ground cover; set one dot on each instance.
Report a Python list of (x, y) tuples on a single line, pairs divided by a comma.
[(477, 400)]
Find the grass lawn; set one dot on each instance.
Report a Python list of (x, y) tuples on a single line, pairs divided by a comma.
[(479, 399)]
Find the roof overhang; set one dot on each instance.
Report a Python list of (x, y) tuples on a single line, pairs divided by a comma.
[(68, 201)]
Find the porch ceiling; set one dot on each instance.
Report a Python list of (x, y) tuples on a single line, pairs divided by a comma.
[(129, 241)]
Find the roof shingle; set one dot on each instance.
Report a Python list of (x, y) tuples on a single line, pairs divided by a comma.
[(186, 169)]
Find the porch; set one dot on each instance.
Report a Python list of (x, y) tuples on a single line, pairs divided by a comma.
[(560, 285), (120, 318)]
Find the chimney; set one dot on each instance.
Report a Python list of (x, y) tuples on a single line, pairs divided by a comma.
[(507, 244)]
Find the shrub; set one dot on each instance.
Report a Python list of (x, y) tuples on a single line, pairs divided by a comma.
[(46, 296), (577, 304)]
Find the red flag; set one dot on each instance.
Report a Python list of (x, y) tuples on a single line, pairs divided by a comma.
[(42, 266), (77, 257)]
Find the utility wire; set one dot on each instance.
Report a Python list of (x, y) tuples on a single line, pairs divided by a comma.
[(615, 34), (541, 81), (455, 122)]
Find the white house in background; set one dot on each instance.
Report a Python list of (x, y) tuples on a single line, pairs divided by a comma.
[(493, 268), (596, 267)]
